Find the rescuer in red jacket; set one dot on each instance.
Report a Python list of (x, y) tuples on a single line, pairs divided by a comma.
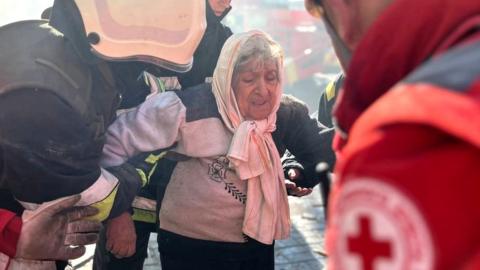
[(407, 189)]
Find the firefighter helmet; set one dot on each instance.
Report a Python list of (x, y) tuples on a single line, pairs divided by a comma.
[(165, 33)]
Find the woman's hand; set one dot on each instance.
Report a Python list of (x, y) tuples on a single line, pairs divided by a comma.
[(292, 189), (121, 236)]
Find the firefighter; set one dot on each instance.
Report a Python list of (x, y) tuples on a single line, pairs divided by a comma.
[(327, 100), (145, 206), (60, 88), (407, 189)]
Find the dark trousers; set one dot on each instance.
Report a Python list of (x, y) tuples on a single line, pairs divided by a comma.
[(175, 263), (182, 253), (104, 260)]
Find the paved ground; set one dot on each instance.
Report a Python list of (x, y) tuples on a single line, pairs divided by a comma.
[(302, 251)]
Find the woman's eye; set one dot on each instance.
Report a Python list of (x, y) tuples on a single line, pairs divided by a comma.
[(247, 80), (272, 78)]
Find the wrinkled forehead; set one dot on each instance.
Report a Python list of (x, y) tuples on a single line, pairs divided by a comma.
[(257, 64)]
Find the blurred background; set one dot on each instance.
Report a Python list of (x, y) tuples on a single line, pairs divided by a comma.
[(309, 58)]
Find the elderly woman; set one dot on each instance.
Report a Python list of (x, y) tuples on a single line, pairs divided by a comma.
[(227, 202)]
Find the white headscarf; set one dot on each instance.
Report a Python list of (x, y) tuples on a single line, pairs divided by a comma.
[(252, 151)]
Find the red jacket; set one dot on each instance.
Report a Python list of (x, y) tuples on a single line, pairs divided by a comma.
[(407, 194), (10, 227)]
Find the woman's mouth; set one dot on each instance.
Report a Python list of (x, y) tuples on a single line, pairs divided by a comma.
[(259, 102)]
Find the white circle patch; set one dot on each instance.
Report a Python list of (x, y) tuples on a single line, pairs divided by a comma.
[(375, 214)]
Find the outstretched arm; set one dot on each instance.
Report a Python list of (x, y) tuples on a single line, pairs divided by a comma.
[(153, 125), (305, 138)]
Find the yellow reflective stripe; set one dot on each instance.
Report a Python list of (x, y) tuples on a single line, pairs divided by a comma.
[(330, 90), (104, 206), (161, 85), (144, 215), (100, 189), (155, 86), (150, 173), (100, 194), (146, 79), (143, 177), (151, 159), (144, 210)]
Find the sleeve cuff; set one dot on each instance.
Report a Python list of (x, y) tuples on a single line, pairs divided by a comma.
[(10, 232)]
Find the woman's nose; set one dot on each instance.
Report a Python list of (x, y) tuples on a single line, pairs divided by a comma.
[(261, 88)]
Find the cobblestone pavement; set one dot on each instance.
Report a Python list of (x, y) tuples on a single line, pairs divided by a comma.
[(302, 251)]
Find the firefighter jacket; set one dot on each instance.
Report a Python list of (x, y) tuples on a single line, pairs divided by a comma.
[(327, 100), (207, 53), (54, 109)]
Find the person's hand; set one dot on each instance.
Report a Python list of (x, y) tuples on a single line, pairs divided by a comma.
[(57, 231), (292, 189), (121, 236), (294, 174)]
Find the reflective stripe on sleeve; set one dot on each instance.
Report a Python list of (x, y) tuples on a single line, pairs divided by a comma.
[(144, 210), (100, 195), (144, 203), (144, 216), (330, 90)]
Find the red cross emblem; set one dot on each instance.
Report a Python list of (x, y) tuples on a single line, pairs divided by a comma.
[(368, 248), (377, 227)]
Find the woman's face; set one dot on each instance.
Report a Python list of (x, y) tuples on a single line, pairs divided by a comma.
[(255, 89)]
